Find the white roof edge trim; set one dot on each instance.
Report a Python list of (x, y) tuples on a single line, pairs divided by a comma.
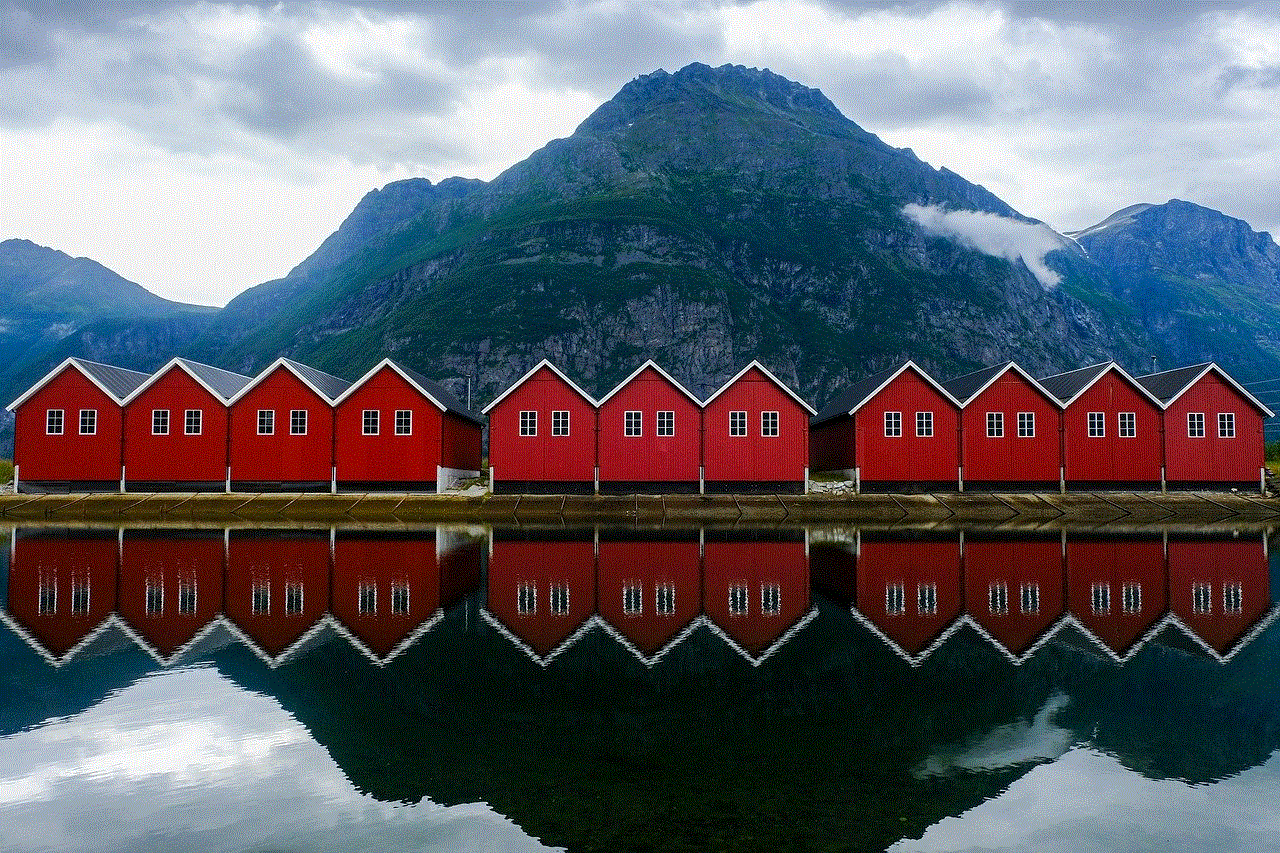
[(287, 364), (177, 361), (541, 364), (1013, 365), (387, 362), (918, 369), (69, 361), (1111, 365), (756, 364), (1213, 366), (667, 376)]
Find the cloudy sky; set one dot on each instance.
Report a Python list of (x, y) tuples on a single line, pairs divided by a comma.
[(201, 148)]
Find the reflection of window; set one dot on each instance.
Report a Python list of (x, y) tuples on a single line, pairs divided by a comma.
[(1201, 598), (892, 424), (1131, 597), (400, 598), (737, 423), (1128, 424), (526, 599), (664, 595), (769, 424), (633, 424), (1026, 424), (53, 422), (633, 599), (369, 421), (560, 422), (1101, 598), (528, 423), (924, 424), (1226, 425), (770, 599), (666, 423), (927, 598), (80, 595), (155, 596), (894, 599), (47, 602), (1195, 424), (998, 598), (187, 596), (1232, 598), (738, 599), (558, 598), (1097, 425), (293, 598), (261, 598), (367, 597), (1030, 595)]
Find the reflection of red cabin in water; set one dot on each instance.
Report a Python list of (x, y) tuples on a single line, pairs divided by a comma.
[(1219, 589), (1116, 589), (542, 591), (1014, 589), (755, 591), (650, 591), (170, 587), (909, 590), (277, 587), (62, 586)]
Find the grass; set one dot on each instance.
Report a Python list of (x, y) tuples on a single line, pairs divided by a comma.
[(6, 471), (1274, 466)]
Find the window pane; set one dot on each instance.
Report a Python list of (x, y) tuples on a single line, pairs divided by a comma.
[(298, 422), (528, 423), (404, 422), (560, 423), (769, 424), (924, 424), (737, 423), (88, 421), (369, 421), (194, 422)]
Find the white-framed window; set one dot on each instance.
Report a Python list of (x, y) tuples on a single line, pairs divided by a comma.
[(404, 421), (664, 599), (738, 601), (737, 424), (298, 422), (1226, 425), (998, 598), (924, 424), (995, 424), (770, 599), (89, 421), (633, 424), (558, 599), (400, 598), (1201, 598), (1026, 424), (560, 422), (1195, 424), (370, 421), (895, 595), (159, 421), (293, 598), (79, 595), (1097, 425), (367, 597), (266, 422), (1030, 597), (260, 598), (633, 598), (53, 422), (47, 595), (666, 423), (893, 424), (1100, 597), (187, 596), (769, 424), (1131, 597), (528, 423), (154, 596), (1127, 424), (526, 599), (927, 598), (193, 422), (1232, 598)]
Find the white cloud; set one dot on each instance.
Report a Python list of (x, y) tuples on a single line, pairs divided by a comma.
[(991, 234)]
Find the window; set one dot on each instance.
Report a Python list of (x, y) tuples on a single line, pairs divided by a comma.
[(1195, 424), (1128, 424), (1026, 424), (769, 424), (526, 599), (79, 596), (998, 598), (1232, 598), (260, 598), (924, 424), (738, 599), (770, 599), (193, 421), (559, 598), (1201, 598), (1131, 597), (400, 598), (159, 421), (894, 595), (367, 597), (633, 599), (737, 423), (1030, 595), (666, 423), (404, 422), (995, 424), (893, 424), (298, 422), (1101, 597), (927, 598), (528, 423), (369, 421), (53, 422), (633, 424), (293, 598), (89, 422), (1226, 424), (560, 422), (664, 599), (266, 422), (1097, 425), (47, 600), (187, 596), (155, 596)]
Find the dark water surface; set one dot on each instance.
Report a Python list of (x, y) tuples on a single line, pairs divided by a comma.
[(593, 689)]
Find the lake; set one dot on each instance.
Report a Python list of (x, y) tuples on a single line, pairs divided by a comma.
[(477, 689)]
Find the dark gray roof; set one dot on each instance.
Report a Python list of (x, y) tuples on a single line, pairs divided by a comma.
[(1064, 386), (223, 382), (117, 380), (328, 385), (435, 389), (852, 396), (964, 387), (1167, 384)]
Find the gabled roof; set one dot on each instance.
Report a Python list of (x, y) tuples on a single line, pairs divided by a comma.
[(547, 364), (1168, 385), (116, 382), (328, 387), (432, 390), (661, 372), (1070, 385), (758, 366), (853, 397), (966, 388), (222, 384)]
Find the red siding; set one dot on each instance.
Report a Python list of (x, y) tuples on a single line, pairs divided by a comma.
[(1114, 564), (645, 567), (58, 564), (153, 570), (387, 457), (281, 457), (407, 563), (543, 457), (754, 457), (70, 456), (1011, 565), (755, 568), (909, 457), (177, 456), (569, 566), (1111, 458), (650, 457), (1218, 565), (884, 565), (1011, 458), (1213, 459), (274, 563)]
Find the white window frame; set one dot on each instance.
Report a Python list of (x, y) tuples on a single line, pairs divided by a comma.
[(995, 424), (768, 424), (193, 422), (266, 421), (1029, 597), (667, 429), (80, 595), (47, 595), (1201, 597), (1232, 597), (739, 599), (737, 423), (1100, 597), (159, 421), (89, 419), (527, 598), (1097, 425), (260, 598), (893, 424), (1195, 425), (188, 596), (633, 598), (998, 598), (924, 424), (298, 422), (400, 598), (664, 598), (1226, 424), (560, 422), (528, 422), (295, 598), (633, 424), (404, 421), (1026, 424), (770, 599), (927, 598), (1127, 424), (370, 421), (558, 598), (153, 596), (367, 598), (895, 598), (54, 421), (1131, 597)]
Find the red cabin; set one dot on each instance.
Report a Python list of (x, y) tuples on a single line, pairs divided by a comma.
[(650, 434), (1110, 426), (397, 428), (1212, 426), (282, 429), (1008, 427), (756, 592), (1116, 589), (650, 591), (67, 427), (898, 427), (909, 591), (755, 435), (277, 589), (542, 593), (1219, 589), (1015, 589), (170, 587), (175, 427), (542, 434)]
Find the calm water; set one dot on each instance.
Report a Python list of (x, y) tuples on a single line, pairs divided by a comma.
[(468, 689)]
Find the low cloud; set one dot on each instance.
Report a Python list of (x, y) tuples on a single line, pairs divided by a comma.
[(991, 234)]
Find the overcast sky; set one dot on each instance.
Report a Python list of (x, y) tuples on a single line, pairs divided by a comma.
[(199, 149)]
